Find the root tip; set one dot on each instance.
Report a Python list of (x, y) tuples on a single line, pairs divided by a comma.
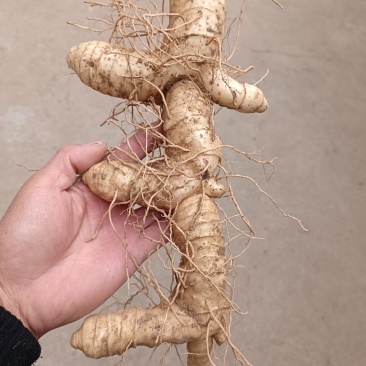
[(76, 339), (263, 107)]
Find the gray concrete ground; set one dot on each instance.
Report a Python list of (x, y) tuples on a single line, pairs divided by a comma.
[(306, 293)]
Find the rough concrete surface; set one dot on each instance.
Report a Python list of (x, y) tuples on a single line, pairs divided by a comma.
[(305, 292)]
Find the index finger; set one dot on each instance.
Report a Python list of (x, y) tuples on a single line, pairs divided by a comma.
[(140, 144)]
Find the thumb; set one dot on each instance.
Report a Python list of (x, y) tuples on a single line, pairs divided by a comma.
[(61, 171)]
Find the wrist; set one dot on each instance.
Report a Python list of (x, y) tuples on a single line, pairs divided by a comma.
[(9, 303)]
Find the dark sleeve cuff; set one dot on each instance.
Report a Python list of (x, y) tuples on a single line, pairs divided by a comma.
[(18, 346)]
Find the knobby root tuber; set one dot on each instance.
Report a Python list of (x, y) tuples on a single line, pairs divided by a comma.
[(183, 74)]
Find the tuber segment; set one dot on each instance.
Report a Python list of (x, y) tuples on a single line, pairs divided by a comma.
[(139, 75), (186, 319), (191, 48)]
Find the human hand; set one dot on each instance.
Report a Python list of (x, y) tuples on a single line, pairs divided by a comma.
[(49, 274)]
